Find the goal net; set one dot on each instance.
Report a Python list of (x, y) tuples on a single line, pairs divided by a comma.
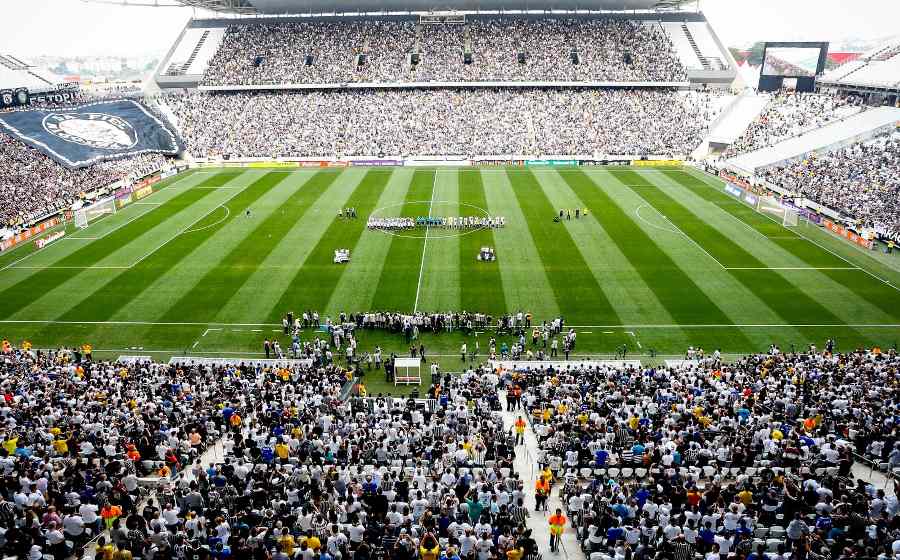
[(88, 214), (770, 205)]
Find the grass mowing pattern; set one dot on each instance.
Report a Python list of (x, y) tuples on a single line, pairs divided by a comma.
[(481, 286), (19, 295), (682, 298), (400, 278), (312, 286), (863, 285), (541, 266), (124, 288), (791, 304), (580, 298)]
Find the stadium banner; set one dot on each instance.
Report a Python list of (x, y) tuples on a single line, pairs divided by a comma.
[(181, 168), (311, 163), (734, 190), (657, 163), (411, 162), (88, 134), (263, 164), (44, 241), (751, 199), (847, 234), (143, 192), (28, 233), (602, 162), (551, 162), (168, 173), (376, 162), (123, 200), (499, 162)]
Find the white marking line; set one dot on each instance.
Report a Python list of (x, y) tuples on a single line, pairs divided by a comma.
[(587, 332), (72, 267), (425, 244), (792, 268), (689, 238), (148, 203), (207, 331), (192, 224), (637, 212), (814, 242), (195, 344), (79, 238), (225, 217), (12, 264), (631, 326), (215, 188)]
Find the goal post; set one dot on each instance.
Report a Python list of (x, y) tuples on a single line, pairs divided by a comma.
[(770, 205), (84, 216)]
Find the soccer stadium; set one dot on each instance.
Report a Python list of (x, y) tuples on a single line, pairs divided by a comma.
[(419, 280)]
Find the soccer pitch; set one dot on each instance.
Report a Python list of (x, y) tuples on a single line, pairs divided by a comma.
[(665, 259)]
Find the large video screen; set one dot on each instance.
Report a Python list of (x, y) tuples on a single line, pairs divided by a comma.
[(793, 62)]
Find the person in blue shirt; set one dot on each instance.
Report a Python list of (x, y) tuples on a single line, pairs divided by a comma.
[(227, 413), (707, 535), (641, 496), (600, 457), (614, 534)]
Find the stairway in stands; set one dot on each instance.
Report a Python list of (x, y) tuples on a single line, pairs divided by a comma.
[(703, 60), (196, 50)]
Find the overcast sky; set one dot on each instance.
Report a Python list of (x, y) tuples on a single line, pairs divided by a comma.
[(73, 27)]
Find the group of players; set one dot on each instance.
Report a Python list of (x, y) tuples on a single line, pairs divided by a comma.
[(450, 222)]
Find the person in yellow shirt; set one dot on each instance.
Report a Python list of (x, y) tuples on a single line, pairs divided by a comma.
[(313, 542), (429, 548), (87, 350), (541, 493), (286, 542), (515, 553), (745, 496), (105, 550), (283, 451), (61, 446), (10, 444), (26, 345), (557, 523), (546, 415)]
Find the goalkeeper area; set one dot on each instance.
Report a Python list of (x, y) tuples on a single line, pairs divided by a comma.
[(83, 217), (653, 261)]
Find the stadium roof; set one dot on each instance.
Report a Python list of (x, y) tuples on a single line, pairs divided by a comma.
[(272, 7)]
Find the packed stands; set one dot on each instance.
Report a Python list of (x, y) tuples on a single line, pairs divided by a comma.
[(224, 460), (790, 114), (860, 181), (382, 51), (722, 460), (878, 68), (460, 122), (33, 185)]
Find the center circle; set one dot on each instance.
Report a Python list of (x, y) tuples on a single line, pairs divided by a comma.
[(434, 209)]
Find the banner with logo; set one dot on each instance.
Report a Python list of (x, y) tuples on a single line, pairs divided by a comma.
[(87, 134), (657, 163), (851, 236), (28, 233)]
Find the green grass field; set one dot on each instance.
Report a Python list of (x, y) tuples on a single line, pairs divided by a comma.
[(665, 259)]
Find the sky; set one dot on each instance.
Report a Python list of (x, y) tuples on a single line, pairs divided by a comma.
[(74, 27)]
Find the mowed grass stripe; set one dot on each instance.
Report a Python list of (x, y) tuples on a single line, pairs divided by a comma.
[(684, 301), (526, 286), (122, 290), (861, 284), (355, 291), (791, 304), (481, 285), (22, 293), (440, 286), (733, 298), (580, 298), (399, 279), (203, 301), (315, 281)]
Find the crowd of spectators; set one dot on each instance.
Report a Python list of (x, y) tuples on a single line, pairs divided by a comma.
[(859, 181), (444, 122), (33, 185), (790, 114), (752, 459), (381, 51)]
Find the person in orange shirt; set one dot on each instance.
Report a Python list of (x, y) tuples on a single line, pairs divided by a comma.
[(520, 430), (557, 526), (541, 493)]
